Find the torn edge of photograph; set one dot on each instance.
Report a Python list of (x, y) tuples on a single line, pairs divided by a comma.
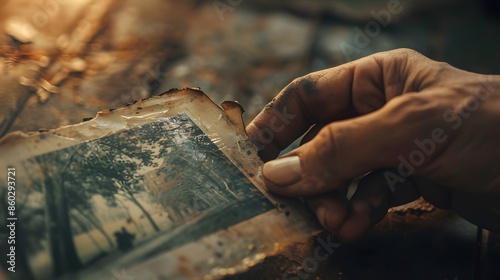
[(167, 186)]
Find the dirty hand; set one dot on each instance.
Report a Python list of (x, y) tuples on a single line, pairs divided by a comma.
[(420, 127)]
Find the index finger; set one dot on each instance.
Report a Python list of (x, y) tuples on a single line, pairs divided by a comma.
[(345, 91)]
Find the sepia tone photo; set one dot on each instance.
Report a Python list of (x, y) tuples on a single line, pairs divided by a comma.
[(93, 204)]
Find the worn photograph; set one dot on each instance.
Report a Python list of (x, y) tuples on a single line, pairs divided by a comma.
[(249, 139), (140, 192)]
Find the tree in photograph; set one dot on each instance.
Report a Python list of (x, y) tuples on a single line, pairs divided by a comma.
[(112, 165), (198, 151), (85, 227), (22, 267), (64, 176), (54, 166)]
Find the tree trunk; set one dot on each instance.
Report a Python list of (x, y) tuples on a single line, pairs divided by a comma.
[(60, 237), (137, 227), (92, 221), (132, 198), (51, 227), (23, 268), (71, 261), (83, 225)]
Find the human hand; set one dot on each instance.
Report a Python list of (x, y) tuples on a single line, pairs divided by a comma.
[(421, 127)]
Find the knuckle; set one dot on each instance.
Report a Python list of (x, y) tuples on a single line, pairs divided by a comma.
[(442, 72), (442, 65), (407, 53), (291, 89), (302, 85), (295, 81), (402, 55)]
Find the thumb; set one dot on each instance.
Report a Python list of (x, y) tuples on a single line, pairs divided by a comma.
[(347, 149)]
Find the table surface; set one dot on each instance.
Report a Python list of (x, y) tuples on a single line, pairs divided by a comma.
[(74, 59)]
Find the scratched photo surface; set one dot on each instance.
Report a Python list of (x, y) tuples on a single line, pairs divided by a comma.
[(96, 203)]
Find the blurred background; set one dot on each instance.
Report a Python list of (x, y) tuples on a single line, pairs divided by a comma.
[(62, 61)]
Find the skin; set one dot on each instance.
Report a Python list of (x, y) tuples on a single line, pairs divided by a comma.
[(365, 116)]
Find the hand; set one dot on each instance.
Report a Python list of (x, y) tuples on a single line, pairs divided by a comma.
[(420, 127)]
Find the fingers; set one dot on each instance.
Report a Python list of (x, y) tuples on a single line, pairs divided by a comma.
[(352, 89), (331, 209), (358, 222), (352, 219), (390, 137)]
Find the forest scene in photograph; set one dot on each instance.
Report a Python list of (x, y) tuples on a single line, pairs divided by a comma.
[(144, 191)]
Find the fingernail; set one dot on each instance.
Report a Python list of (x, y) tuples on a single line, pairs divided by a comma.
[(283, 171), (320, 214)]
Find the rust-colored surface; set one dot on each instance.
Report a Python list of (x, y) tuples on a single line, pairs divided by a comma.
[(62, 61), (415, 241)]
